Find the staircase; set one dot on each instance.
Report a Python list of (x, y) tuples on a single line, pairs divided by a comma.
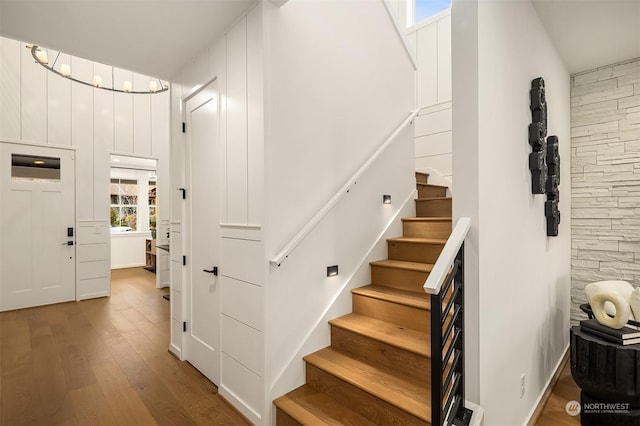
[(377, 369)]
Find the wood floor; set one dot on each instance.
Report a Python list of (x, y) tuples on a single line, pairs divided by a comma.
[(554, 413), (102, 362)]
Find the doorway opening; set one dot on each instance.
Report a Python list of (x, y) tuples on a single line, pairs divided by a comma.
[(133, 212)]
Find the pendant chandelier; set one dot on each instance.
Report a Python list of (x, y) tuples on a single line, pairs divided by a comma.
[(40, 55)]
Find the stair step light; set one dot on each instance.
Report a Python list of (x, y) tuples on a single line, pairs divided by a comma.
[(332, 271)]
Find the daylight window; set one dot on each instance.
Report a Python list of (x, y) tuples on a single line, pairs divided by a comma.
[(152, 204), (133, 188), (423, 9), (124, 205)]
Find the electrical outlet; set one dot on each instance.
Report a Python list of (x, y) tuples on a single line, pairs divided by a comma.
[(522, 385)]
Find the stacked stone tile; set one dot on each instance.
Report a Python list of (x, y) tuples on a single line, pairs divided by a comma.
[(605, 175)]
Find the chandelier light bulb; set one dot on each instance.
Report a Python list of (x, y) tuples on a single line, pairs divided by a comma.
[(97, 81), (127, 87), (65, 70), (41, 55), (153, 86)]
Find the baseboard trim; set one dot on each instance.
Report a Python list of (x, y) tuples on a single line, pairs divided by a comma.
[(239, 405), (233, 407), (544, 398), (175, 351)]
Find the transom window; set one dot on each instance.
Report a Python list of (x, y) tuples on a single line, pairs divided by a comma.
[(424, 9)]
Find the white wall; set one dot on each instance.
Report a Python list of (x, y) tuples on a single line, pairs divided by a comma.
[(518, 279), (43, 108), (128, 250), (431, 41), (330, 104), (338, 83), (235, 60)]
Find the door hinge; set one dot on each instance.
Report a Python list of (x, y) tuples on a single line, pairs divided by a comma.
[(184, 326), (184, 127), (184, 260)]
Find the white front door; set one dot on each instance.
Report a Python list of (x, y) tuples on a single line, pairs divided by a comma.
[(203, 295), (37, 226)]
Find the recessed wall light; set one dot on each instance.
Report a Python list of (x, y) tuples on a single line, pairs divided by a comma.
[(386, 199), (332, 271)]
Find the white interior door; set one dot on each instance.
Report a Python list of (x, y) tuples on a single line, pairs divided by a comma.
[(37, 195), (203, 298)]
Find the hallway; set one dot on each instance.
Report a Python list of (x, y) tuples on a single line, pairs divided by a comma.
[(102, 361)]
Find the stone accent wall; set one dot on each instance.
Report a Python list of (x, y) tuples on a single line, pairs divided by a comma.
[(605, 177)]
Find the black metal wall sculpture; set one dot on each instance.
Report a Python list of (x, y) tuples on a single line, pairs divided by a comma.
[(551, 210), (544, 160), (537, 135)]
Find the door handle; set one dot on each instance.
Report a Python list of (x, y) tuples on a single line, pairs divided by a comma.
[(68, 243), (213, 271)]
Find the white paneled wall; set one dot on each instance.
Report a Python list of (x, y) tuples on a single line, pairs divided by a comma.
[(33, 96), (235, 61), (142, 113), (58, 106), (255, 121), (82, 137), (103, 137), (242, 323), (10, 87), (92, 259), (123, 113), (432, 43), (236, 143), (40, 107)]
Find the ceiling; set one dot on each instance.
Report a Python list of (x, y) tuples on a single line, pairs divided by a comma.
[(152, 37), (158, 37), (592, 33)]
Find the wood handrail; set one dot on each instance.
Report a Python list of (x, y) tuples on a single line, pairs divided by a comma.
[(441, 268), (328, 206)]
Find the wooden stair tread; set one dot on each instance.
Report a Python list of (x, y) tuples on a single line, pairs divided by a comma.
[(431, 185), (408, 395), (386, 332), (432, 198), (418, 240), (403, 297), (422, 174), (427, 219), (401, 264), (312, 407)]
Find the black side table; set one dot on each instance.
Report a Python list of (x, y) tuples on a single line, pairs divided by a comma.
[(609, 376)]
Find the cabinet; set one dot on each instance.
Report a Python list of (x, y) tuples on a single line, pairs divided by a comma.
[(150, 254)]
